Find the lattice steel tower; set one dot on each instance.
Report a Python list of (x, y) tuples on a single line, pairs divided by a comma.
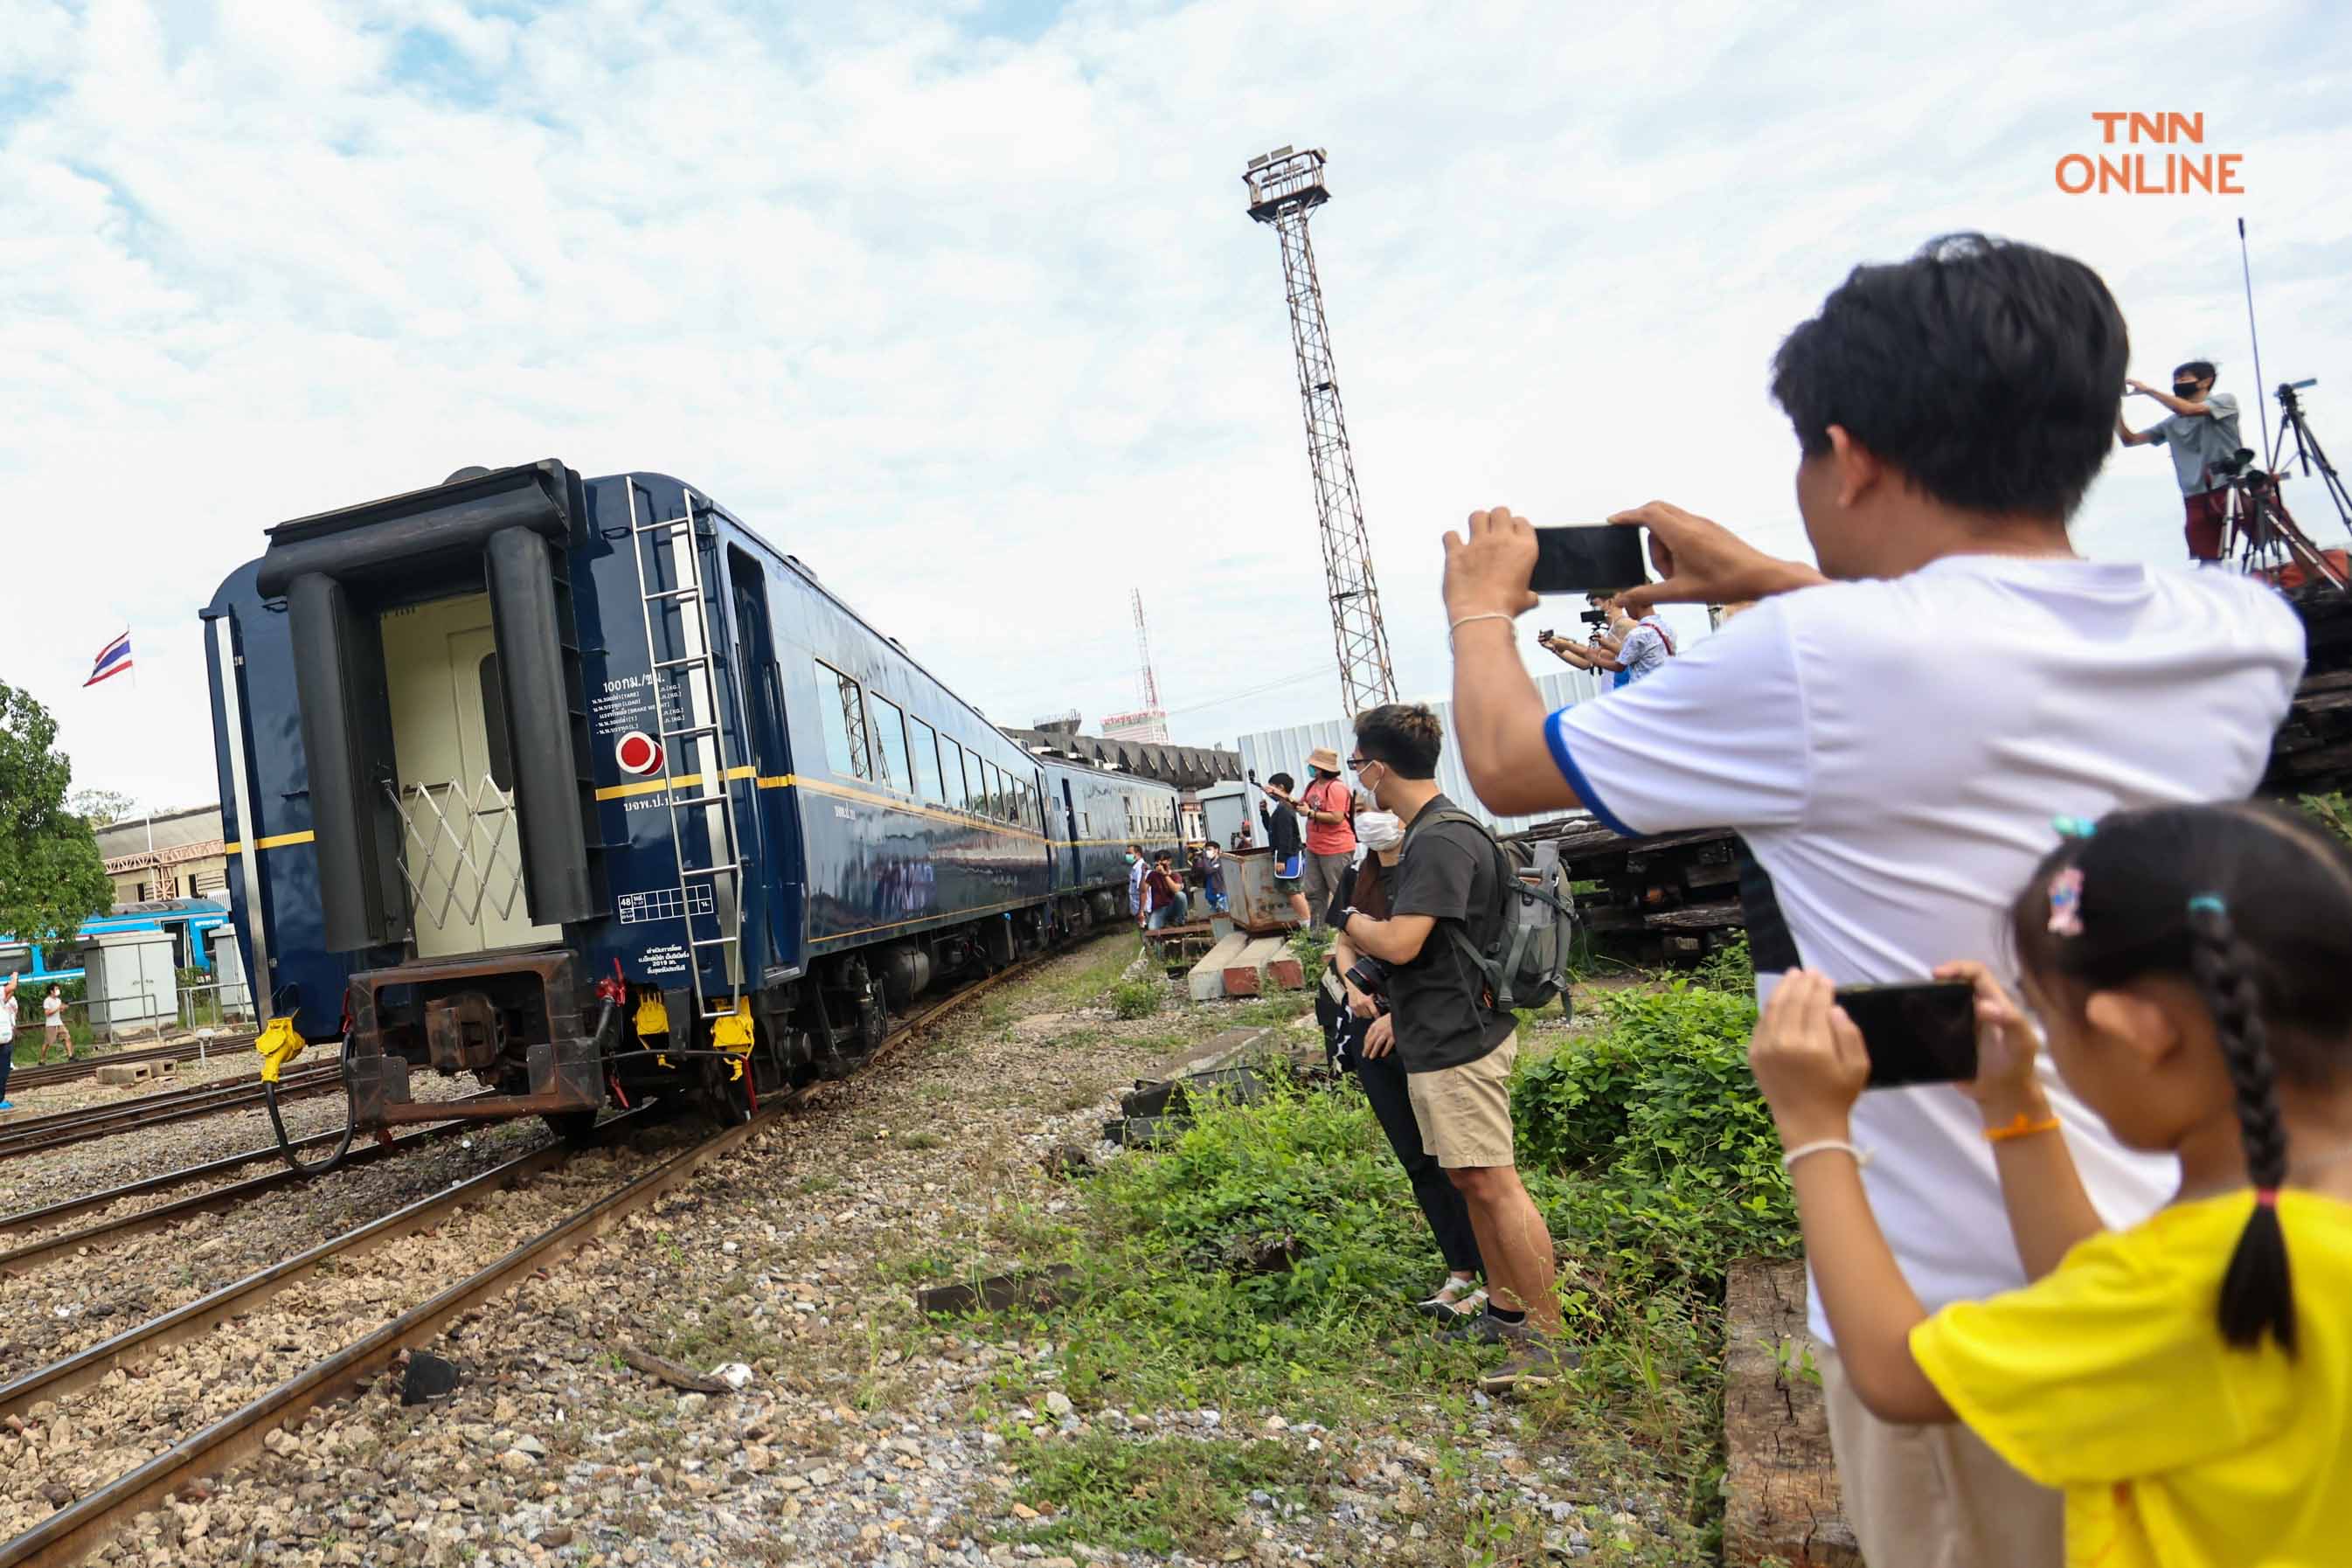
[(1285, 186)]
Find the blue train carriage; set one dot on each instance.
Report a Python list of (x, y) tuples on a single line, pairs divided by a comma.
[(580, 787)]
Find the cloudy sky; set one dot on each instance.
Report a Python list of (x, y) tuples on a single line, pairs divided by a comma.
[(960, 303)]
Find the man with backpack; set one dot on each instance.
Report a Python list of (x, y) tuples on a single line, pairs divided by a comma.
[(1456, 964)]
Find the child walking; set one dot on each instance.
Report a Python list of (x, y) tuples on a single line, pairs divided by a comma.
[(2187, 1383)]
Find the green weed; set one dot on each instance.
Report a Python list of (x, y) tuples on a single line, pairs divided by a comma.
[(1160, 1495), (1656, 1110), (1138, 998)]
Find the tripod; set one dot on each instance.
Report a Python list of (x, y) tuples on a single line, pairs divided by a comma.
[(2269, 543), (2308, 450)]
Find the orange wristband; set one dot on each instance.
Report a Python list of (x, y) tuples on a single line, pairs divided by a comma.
[(2020, 1127)]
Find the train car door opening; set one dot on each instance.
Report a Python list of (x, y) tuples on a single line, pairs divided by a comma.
[(461, 850)]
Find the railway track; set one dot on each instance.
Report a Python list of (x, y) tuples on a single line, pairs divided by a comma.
[(83, 1526), (27, 1255), (49, 1073), (64, 1127)]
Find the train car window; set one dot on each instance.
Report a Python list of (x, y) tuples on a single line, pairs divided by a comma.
[(975, 783), (924, 743), (951, 774), (890, 727), (1000, 794), (845, 723)]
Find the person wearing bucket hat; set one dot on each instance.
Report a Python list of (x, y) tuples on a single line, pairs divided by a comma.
[(1329, 808)]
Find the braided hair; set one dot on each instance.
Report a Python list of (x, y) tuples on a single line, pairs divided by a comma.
[(2254, 907), (2256, 1294)]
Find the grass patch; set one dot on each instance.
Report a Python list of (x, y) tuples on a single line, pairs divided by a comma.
[(1164, 1494), (1138, 998), (1644, 1141), (1277, 1009), (1092, 971)]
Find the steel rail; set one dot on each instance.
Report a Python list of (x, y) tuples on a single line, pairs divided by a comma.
[(27, 1219), (43, 1074), (83, 1526), (17, 1260), (79, 1126)]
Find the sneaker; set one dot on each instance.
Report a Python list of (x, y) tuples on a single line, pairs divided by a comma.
[(1539, 1361), (4, 1105), (1486, 1329), (1457, 1300)]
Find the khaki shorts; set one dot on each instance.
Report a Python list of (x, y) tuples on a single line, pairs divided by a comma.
[(1464, 1112), (1933, 1497)]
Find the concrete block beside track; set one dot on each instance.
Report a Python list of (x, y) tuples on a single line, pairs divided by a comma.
[(1207, 979), (1264, 964)]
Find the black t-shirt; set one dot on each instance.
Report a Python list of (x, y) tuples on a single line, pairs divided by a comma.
[(1281, 829), (1448, 871)]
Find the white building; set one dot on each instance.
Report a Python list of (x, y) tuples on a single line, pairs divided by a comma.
[(1147, 724)]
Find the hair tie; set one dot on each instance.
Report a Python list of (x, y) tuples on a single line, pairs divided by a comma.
[(2074, 826), (2266, 1197), (2207, 904), (2066, 903)]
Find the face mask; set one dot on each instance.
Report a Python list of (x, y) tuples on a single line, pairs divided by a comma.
[(2184, 389), (1129, 859)]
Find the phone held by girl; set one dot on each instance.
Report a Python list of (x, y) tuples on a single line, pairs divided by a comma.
[(2186, 1382)]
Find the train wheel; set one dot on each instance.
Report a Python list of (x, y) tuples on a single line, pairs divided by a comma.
[(726, 1097)]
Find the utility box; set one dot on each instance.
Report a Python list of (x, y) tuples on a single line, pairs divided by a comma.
[(132, 984), (228, 974), (1224, 809), (1251, 899)]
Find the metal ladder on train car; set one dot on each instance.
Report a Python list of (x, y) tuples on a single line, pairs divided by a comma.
[(714, 888)]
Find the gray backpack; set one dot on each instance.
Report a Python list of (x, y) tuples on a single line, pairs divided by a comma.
[(1526, 962)]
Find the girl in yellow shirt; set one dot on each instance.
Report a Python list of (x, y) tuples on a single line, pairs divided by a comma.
[(2187, 1383)]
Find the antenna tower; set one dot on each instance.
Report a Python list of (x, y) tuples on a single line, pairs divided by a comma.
[(1149, 722), (1143, 650), (1285, 186)]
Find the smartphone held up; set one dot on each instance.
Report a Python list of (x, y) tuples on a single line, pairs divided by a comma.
[(1596, 559), (1918, 1032)]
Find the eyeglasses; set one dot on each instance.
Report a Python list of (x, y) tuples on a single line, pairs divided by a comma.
[(1357, 764)]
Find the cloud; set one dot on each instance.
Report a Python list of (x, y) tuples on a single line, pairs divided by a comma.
[(961, 305)]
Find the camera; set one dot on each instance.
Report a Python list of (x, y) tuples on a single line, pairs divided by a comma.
[(1368, 976), (1593, 618)]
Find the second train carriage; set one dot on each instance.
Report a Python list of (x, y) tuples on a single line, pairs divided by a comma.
[(582, 788)]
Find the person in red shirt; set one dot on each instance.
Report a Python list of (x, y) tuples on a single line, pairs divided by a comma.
[(1164, 903), (1329, 808)]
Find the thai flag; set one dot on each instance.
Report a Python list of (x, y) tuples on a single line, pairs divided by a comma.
[(112, 659)]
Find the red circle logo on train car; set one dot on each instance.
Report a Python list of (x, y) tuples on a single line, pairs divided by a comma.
[(639, 753)]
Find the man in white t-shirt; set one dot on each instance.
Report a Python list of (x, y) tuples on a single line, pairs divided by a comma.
[(53, 1025), (1893, 733)]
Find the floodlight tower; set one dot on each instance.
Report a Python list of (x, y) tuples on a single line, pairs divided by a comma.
[(1285, 186)]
